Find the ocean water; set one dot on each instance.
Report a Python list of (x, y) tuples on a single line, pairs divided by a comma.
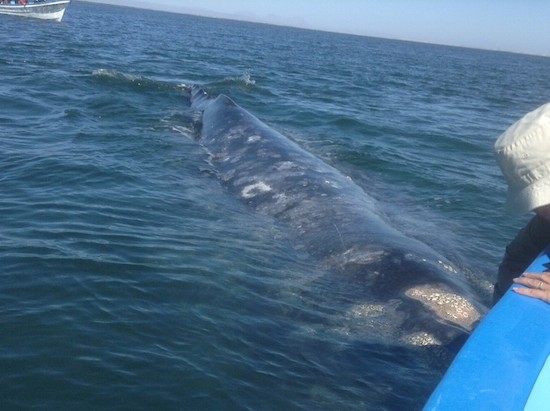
[(131, 279)]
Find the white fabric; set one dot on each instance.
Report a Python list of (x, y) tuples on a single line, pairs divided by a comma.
[(523, 154)]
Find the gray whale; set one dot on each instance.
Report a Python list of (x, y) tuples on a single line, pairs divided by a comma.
[(406, 285)]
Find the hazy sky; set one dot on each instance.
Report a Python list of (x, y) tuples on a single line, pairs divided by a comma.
[(512, 25)]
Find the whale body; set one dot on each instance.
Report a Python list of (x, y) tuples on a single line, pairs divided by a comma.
[(403, 283)]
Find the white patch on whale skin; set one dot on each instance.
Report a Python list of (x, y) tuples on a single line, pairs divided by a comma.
[(421, 339), (367, 310), (449, 306), (380, 322), (447, 267), (236, 132), (372, 320), (332, 184), (287, 165), (282, 200), (255, 189), (253, 139)]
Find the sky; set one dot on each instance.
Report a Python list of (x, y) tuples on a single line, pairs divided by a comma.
[(521, 26)]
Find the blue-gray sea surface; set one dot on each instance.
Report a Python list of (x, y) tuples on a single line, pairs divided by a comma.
[(131, 279)]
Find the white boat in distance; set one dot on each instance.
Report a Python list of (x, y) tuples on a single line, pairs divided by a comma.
[(39, 9)]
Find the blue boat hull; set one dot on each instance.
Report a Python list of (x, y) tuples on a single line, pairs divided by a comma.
[(505, 363)]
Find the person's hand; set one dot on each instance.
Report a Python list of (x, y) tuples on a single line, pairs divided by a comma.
[(538, 286)]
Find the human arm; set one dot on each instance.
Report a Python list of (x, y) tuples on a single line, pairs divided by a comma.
[(527, 244)]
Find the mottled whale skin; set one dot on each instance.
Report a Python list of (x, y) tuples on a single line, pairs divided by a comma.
[(402, 279)]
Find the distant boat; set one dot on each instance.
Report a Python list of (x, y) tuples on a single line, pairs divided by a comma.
[(38, 9)]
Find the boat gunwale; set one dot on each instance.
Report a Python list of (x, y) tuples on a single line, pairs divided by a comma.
[(35, 5)]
